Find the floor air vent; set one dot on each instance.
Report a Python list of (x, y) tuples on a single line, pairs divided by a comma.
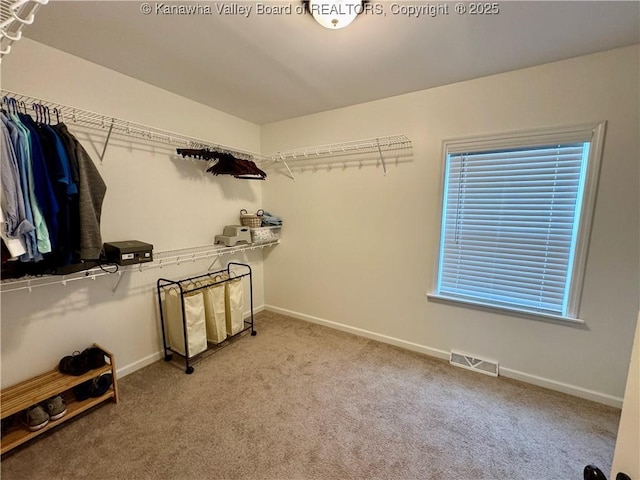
[(488, 367)]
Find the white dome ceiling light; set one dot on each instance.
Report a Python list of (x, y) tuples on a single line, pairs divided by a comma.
[(335, 14)]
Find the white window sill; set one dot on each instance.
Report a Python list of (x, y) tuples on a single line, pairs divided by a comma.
[(549, 317)]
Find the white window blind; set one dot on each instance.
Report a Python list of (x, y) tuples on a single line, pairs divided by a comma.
[(511, 225)]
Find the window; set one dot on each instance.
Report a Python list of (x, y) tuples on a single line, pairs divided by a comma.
[(516, 216)]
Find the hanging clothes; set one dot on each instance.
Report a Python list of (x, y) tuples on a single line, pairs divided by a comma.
[(74, 201), (42, 183), (52, 196), (59, 174), (15, 223), (24, 156), (91, 193), (18, 142)]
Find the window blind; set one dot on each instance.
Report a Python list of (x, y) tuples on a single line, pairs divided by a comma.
[(510, 225)]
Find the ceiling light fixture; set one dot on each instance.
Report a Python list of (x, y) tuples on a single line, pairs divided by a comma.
[(335, 14)]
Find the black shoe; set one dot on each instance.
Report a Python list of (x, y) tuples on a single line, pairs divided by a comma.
[(76, 364), (83, 391), (591, 472), (95, 387), (102, 384), (95, 357)]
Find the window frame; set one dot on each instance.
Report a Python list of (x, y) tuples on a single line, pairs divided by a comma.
[(594, 133)]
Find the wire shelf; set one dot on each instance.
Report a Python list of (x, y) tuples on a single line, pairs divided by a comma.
[(370, 145), (13, 17), (161, 259), (97, 121)]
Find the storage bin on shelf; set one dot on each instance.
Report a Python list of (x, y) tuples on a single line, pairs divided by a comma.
[(265, 234), (251, 220)]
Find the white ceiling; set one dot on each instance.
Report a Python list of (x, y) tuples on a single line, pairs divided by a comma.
[(266, 68)]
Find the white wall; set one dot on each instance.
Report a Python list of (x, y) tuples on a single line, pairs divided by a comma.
[(359, 248), (152, 195)]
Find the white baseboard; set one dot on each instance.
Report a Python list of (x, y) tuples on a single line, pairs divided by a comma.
[(433, 352), (132, 367), (574, 390), (154, 357)]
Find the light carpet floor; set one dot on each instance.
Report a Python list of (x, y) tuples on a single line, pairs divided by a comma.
[(302, 401)]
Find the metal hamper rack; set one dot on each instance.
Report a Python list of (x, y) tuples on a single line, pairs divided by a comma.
[(186, 286)]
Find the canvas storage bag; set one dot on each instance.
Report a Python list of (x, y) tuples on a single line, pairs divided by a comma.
[(234, 305), (194, 317), (215, 308)]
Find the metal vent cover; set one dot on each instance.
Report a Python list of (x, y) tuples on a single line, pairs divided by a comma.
[(481, 365)]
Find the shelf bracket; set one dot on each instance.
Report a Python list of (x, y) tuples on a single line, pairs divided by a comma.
[(384, 166), (106, 142), (214, 262), (120, 276), (289, 170)]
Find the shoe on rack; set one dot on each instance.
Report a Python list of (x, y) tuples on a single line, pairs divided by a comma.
[(83, 391), (95, 387), (95, 357), (76, 364), (56, 407), (35, 418), (102, 384)]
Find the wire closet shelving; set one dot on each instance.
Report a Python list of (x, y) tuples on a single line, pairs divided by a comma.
[(161, 259), (101, 122), (13, 17), (74, 116)]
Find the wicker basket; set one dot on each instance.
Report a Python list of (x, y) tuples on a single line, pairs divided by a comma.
[(251, 220)]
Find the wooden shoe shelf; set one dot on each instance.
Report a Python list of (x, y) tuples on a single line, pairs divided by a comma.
[(19, 397)]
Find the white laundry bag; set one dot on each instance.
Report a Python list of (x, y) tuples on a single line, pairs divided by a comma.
[(215, 308), (234, 304), (194, 312)]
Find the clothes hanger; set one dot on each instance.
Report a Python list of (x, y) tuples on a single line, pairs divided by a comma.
[(10, 104), (37, 110), (42, 113)]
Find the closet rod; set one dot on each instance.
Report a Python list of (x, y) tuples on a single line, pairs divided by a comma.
[(161, 259), (13, 17), (97, 121)]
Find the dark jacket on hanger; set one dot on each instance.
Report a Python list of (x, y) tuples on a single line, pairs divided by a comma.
[(91, 192), (74, 204), (65, 190)]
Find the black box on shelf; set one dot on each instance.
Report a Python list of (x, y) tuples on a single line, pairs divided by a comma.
[(128, 252)]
